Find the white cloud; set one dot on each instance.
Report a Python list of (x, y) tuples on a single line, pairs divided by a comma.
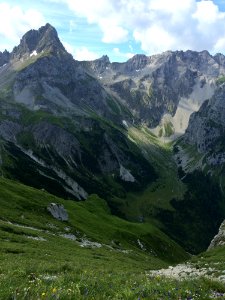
[(81, 53), (105, 14), (208, 13), (158, 25), (14, 22), (121, 55)]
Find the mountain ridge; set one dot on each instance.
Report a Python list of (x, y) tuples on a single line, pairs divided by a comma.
[(101, 127)]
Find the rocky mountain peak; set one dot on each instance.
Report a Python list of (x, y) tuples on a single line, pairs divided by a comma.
[(104, 59), (36, 41), (99, 65), (137, 62)]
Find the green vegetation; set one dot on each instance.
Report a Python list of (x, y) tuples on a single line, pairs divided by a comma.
[(36, 259), (37, 262), (195, 219), (220, 80), (169, 129), (144, 205)]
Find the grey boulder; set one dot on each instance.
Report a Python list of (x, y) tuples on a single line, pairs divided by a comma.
[(58, 211)]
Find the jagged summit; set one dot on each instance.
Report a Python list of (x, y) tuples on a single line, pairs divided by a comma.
[(104, 59), (99, 65), (36, 41)]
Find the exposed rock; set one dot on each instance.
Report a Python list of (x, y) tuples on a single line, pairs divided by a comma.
[(36, 41), (219, 239), (173, 83), (126, 175), (36, 238), (9, 130), (207, 127), (4, 58), (58, 211)]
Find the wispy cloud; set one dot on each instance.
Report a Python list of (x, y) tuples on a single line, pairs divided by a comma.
[(158, 25), (15, 21), (122, 55), (81, 53), (129, 26)]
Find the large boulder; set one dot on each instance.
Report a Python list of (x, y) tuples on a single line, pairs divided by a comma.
[(58, 211)]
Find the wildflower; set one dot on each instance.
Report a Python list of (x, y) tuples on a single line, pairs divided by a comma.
[(54, 290), (43, 294)]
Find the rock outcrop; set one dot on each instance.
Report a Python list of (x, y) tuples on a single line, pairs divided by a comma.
[(206, 129), (219, 239), (58, 211)]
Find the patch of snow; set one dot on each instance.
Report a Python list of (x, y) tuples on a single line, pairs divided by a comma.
[(125, 123), (137, 70), (34, 53)]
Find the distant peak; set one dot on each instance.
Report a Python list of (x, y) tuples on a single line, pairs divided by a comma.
[(104, 59), (45, 38), (137, 62)]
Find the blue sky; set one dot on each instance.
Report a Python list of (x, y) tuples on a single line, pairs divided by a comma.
[(119, 28)]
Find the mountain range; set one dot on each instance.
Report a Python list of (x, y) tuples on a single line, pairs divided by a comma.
[(147, 135)]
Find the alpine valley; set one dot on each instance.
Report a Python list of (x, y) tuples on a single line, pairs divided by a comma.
[(109, 171)]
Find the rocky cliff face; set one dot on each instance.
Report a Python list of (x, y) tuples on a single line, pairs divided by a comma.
[(219, 239), (206, 129), (64, 133), (36, 41), (162, 89)]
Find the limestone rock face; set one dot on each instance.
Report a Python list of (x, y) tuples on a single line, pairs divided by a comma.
[(219, 239), (58, 211), (174, 84), (206, 129)]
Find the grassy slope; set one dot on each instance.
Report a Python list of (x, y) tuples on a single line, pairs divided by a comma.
[(58, 268), (22, 256), (168, 186)]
